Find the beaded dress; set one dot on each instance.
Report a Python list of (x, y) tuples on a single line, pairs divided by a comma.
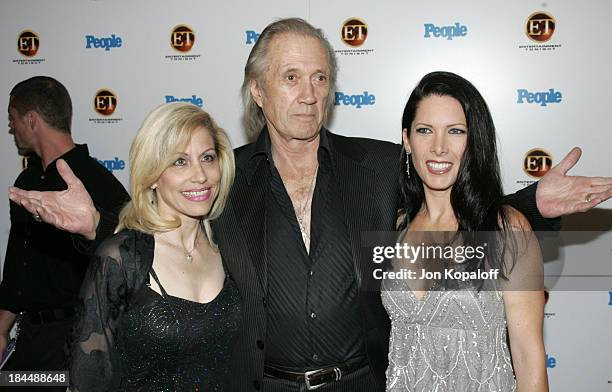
[(446, 339), (131, 338)]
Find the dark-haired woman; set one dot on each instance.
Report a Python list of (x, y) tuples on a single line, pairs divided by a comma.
[(450, 319)]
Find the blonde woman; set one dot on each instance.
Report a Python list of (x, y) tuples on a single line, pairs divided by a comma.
[(160, 312)]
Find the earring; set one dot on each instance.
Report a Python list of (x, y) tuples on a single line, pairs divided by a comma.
[(408, 164), (152, 188)]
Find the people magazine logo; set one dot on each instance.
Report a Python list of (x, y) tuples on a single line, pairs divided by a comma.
[(353, 34), (356, 101), (104, 43), (251, 37), (536, 163), (551, 362), (105, 103), (112, 164), (194, 99), (539, 29), (182, 40), (445, 32), (28, 44), (541, 98)]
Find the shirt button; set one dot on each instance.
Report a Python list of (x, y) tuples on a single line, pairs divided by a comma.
[(311, 272), (265, 304), (260, 344), (42, 177), (18, 292), (25, 263), (313, 315), (315, 357)]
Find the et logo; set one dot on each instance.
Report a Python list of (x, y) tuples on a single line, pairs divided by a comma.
[(25, 162), (182, 38), (540, 26), (105, 102), (28, 43), (354, 32), (537, 162)]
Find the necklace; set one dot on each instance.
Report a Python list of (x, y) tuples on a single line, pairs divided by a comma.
[(300, 212), (189, 253)]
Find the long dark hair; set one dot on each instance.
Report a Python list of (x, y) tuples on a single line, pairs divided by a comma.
[(477, 195)]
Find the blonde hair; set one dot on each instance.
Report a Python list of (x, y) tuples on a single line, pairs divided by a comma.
[(166, 130)]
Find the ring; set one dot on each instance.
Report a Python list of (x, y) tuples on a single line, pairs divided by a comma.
[(587, 199), (37, 218)]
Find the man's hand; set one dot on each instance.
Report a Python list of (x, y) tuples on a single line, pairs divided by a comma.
[(559, 194), (71, 210), (3, 344), (7, 319)]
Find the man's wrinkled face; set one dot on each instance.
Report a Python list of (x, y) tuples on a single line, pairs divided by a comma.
[(295, 90)]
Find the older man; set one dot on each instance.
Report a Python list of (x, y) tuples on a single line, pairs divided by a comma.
[(301, 200), (291, 233)]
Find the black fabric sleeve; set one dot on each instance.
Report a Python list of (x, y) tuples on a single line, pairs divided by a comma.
[(7, 290), (94, 365), (525, 201), (106, 227)]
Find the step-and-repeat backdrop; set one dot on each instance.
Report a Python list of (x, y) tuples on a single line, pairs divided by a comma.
[(543, 67)]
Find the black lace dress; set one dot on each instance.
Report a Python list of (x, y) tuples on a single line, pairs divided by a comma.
[(130, 338)]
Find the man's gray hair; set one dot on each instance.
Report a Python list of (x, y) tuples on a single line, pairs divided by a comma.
[(258, 63)]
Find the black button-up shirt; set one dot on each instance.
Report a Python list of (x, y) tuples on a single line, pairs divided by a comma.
[(42, 268), (313, 309)]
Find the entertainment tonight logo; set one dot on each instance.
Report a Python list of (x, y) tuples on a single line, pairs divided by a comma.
[(182, 39), (105, 103), (28, 44), (353, 33), (539, 28), (536, 163)]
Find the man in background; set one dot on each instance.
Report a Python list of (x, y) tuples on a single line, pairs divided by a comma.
[(42, 269)]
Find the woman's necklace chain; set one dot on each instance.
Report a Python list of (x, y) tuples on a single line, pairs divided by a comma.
[(189, 253)]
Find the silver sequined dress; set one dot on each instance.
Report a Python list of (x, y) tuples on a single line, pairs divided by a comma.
[(447, 340)]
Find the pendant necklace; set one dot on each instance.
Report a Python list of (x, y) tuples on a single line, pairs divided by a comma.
[(189, 253), (301, 212)]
